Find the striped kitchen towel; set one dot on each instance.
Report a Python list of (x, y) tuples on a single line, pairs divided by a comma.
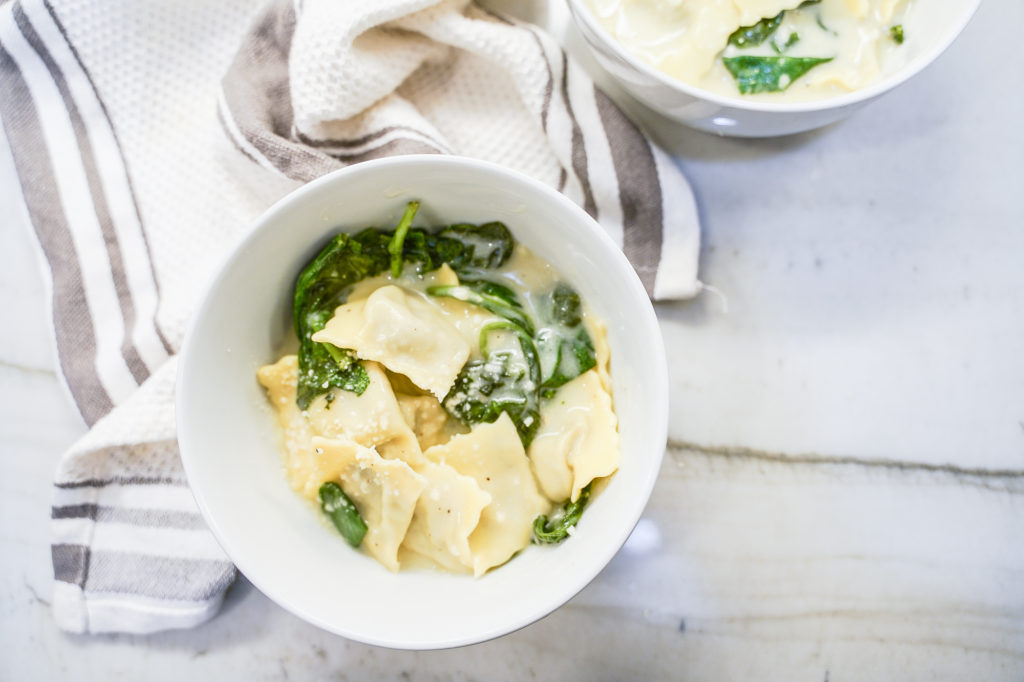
[(148, 134)]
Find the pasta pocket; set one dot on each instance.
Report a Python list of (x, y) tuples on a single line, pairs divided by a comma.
[(493, 455), (578, 439), (402, 332), (447, 512), (385, 492)]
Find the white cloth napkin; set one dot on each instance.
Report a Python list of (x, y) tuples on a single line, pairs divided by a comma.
[(140, 167)]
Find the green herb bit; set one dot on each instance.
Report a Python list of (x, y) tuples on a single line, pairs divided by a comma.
[(792, 40), (395, 246), (769, 74), (896, 33), (342, 512), (566, 307), (552, 531), (566, 349), (754, 35)]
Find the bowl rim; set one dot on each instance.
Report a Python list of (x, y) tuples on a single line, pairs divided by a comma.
[(656, 418), (584, 15)]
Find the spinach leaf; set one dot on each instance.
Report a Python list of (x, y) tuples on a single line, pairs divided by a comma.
[(319, 290), (339, 508), (754, 35), (397, 240), (484, 247), (566, 308), (467, 249), (769, 74), (505, 381), (428, 251), (565, 358), (564, 347), (495, 290), (489, 296), (554, 530)]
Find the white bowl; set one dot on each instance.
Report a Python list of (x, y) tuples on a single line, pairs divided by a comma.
[(227, 431), (936, 25)]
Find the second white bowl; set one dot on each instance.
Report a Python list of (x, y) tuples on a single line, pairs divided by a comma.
[(936, 27)]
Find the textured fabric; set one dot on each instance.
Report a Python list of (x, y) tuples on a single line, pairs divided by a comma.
[(147, 134)]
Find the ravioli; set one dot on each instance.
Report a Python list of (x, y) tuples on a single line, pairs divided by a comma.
[(281, 381), (373, 419), (578, 440), (447, 512), (385, 492), (402, 332), (493, 455), (427, 419)]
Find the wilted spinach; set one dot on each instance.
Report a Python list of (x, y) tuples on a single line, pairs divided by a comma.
[(502, 382), (564, 346), (489, 296), (754, 35), (554, 350), (755, 74), (552, 531), (320, 289), (324, 284), (342, 513)]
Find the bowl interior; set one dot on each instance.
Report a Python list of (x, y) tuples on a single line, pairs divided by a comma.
[(930, 27), (230, 447)]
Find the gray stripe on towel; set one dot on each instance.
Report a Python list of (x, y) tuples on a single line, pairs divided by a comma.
[(120, 155), (639, 190), (99, 200), (121, 480), (76, 344), (154, 518), (579, 150), (370, 137), (402, 145), (257, 96), (70, 563)]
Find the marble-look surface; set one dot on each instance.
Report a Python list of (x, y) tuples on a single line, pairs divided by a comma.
[(843, 498)]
